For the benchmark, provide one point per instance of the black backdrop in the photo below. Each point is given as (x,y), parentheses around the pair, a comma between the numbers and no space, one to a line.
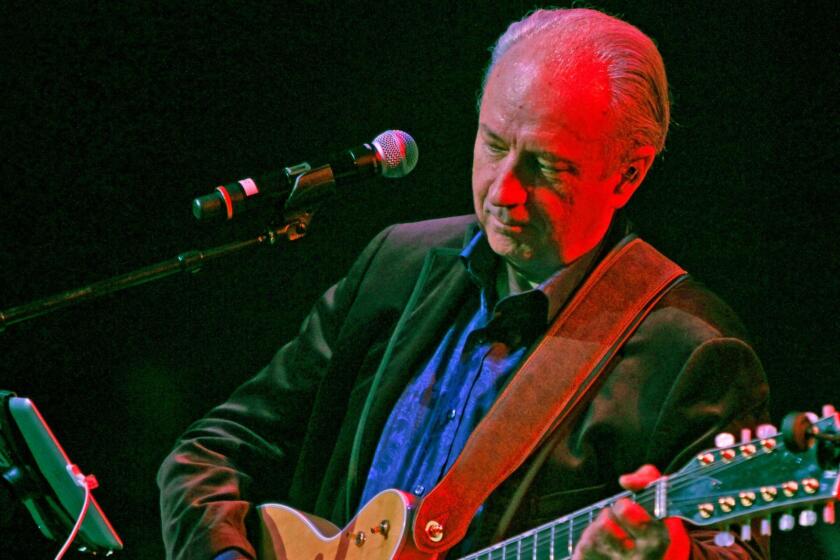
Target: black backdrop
(118,115)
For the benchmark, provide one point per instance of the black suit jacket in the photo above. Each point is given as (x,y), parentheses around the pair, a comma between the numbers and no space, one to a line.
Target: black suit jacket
(292,432)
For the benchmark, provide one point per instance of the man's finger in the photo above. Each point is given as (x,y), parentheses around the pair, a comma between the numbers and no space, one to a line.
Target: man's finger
(604,538)
(650,537)
(643,476)
(632,517)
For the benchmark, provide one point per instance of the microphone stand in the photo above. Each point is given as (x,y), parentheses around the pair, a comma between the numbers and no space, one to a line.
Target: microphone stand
(294,228)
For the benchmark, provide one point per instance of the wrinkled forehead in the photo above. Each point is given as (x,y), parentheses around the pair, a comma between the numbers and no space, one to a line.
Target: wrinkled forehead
(565,85)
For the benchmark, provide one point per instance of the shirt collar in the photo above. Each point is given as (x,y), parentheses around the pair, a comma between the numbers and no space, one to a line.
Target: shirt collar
(483,264)
(480,261)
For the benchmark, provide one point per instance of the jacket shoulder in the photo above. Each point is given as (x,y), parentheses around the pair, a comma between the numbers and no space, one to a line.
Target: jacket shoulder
(698,313)
(391,264)
(449,232)
(402,248)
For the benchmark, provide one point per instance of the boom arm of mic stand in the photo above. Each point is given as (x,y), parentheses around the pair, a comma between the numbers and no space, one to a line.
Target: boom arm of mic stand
(294,228)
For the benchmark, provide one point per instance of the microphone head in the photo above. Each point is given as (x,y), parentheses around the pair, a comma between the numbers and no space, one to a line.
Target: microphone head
(397,152)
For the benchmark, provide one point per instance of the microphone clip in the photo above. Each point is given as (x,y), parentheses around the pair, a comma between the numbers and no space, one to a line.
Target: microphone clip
(310,186)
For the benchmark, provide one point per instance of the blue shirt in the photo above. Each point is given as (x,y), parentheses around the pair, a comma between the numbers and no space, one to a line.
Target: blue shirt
(455,387)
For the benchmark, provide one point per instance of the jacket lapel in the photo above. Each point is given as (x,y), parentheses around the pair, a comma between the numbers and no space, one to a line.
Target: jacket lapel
(440,288)
(438,291)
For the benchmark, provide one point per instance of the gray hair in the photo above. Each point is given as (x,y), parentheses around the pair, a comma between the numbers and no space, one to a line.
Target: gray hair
(634,66)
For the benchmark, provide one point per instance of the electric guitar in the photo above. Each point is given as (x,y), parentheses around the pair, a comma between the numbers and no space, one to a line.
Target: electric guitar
(728,486)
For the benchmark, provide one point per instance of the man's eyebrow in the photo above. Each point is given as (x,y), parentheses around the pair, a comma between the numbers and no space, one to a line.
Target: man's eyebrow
(554,158)
(548,156)
(486,129)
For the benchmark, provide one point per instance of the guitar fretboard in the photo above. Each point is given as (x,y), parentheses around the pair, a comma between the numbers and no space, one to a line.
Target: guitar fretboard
(555,540)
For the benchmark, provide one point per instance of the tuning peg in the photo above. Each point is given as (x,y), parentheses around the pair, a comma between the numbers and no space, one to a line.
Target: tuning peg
(764,431)
(724,439)
(796,431)
(828,513)
(746,531)
(807,517)
(766,527)
(724,538)
(746,435)
(828,410)
(787,522)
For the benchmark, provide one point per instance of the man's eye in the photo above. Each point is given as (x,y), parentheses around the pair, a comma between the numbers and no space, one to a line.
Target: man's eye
(551,171)
(496,149)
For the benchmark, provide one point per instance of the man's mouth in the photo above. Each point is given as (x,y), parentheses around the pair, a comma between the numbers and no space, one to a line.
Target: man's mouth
(507,226)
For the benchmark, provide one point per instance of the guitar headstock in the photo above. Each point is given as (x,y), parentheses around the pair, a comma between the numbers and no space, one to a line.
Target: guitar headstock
(792,472)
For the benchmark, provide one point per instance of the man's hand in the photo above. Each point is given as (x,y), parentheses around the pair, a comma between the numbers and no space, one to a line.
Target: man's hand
(626,530)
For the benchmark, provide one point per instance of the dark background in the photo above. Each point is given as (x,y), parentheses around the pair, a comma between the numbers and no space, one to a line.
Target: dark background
(116,116)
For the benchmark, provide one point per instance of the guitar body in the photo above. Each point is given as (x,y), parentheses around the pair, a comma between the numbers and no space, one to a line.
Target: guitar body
(380,531)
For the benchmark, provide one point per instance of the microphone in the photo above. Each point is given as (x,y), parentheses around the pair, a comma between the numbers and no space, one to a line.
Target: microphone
(392,154)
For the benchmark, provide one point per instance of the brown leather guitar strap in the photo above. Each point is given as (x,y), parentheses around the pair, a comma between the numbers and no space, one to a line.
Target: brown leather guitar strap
(601,316)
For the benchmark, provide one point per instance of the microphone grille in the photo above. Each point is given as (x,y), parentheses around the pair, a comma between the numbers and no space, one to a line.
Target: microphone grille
(397,152)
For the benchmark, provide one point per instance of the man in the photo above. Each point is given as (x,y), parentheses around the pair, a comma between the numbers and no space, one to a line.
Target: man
(398,362)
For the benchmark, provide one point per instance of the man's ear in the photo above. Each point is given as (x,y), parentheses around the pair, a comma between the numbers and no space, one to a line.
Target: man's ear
(632,173)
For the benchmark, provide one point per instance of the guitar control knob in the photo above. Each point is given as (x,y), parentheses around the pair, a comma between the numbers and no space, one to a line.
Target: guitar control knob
(360,538)
(807,518)
(382,529)
(786,522)
(724,439)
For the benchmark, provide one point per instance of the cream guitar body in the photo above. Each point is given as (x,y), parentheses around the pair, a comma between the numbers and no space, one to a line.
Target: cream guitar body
(380,531)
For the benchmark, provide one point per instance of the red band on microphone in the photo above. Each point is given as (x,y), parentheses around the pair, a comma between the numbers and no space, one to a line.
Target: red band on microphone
(228,201)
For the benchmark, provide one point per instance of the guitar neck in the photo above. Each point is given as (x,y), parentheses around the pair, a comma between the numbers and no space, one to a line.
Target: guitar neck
(720,487)
(555,540)
(727,485)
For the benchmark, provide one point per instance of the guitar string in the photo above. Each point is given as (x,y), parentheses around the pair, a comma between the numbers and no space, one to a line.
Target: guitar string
(541,538)
(580,520)
(542,543)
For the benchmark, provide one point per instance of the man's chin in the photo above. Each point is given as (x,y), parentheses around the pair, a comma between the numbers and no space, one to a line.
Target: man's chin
(517,252)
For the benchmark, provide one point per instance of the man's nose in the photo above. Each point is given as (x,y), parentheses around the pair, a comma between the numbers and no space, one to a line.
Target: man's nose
(507,189)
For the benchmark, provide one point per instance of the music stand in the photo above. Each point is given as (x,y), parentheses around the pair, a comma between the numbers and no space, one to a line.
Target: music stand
(38,473)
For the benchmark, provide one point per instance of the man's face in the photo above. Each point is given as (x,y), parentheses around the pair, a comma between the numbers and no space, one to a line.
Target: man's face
(543,189)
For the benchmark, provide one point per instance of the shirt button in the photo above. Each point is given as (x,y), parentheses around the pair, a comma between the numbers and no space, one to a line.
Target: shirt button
(451,414)
(419,489)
